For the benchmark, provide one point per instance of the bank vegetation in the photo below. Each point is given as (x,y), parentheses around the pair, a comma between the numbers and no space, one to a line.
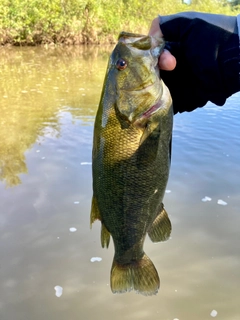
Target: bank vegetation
(72,22)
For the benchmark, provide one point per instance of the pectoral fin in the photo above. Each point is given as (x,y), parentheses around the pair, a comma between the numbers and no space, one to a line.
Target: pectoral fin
(146,134)
(161,227)
(95,213)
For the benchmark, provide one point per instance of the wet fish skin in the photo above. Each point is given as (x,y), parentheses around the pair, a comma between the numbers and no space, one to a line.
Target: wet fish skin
(131,160)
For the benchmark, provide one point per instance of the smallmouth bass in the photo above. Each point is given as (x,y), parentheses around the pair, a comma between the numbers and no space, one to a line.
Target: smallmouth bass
(131,160)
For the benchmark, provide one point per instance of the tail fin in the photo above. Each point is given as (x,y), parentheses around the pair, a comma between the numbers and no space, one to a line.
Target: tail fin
(140,276)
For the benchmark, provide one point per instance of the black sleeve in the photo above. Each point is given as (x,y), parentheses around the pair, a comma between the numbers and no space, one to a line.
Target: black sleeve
(206,47)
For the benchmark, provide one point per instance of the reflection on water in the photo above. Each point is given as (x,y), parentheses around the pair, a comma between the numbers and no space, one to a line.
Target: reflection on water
(35,85)
(52,265)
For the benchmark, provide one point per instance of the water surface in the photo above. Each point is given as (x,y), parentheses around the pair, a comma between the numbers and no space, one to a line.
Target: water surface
(49,98)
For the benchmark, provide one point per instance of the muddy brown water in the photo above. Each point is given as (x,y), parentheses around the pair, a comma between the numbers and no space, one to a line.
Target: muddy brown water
(52,265)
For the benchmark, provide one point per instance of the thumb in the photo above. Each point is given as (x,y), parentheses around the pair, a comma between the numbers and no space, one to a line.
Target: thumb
(167,61)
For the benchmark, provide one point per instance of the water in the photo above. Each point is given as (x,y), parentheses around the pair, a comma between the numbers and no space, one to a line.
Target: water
(52,265)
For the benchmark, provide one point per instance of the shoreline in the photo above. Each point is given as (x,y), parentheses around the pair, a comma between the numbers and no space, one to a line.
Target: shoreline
(88,22)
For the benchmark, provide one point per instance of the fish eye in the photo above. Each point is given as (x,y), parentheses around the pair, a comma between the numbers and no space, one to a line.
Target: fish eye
(121,64)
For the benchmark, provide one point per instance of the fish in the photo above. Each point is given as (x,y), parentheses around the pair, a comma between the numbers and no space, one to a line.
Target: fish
(131,157)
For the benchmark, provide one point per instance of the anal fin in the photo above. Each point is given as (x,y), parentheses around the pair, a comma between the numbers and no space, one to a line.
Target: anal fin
(161,227)
(105,236)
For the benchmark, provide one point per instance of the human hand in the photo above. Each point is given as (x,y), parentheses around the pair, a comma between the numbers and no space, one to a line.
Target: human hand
(206,48)
(166,60)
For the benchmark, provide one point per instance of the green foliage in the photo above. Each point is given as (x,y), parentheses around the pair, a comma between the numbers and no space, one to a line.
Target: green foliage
(88,21)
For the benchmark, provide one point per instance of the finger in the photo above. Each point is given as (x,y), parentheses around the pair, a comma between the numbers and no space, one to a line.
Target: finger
(155,30)
(167,61)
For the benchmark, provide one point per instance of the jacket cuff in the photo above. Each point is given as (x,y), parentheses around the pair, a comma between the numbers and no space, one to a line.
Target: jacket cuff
(238,24)
(180,21)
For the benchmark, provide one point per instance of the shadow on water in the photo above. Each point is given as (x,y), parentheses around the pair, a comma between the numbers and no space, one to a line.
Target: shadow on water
(36,84)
